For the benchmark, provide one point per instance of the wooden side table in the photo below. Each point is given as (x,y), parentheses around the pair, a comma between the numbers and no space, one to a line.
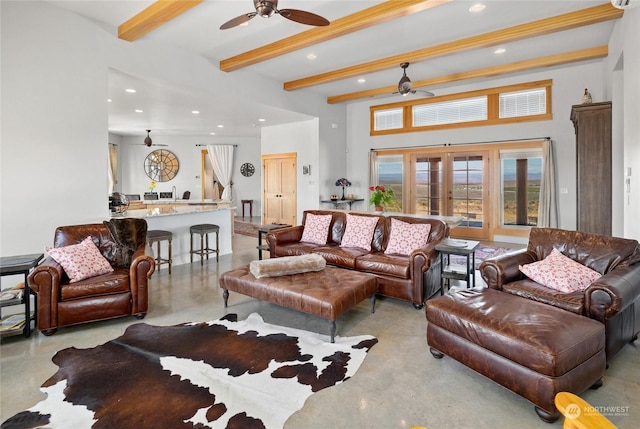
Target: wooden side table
(250,202)
(450,271)
(23,264)
(263,229)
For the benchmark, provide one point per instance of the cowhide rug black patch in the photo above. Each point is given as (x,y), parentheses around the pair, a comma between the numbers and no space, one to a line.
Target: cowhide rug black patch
(220,374)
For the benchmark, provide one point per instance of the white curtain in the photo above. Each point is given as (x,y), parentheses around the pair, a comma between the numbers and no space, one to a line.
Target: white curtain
(113,167)
(373,168)
(548,210)
(221,157)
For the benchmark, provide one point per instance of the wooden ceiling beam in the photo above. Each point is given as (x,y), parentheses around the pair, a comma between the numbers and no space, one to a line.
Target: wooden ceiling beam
(374,15)
(567,21)
(159,13)
(548,61)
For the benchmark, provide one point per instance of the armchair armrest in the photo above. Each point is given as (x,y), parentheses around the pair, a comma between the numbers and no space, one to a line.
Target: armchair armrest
(45,281)
(613,292)
(504,269)
(142,267)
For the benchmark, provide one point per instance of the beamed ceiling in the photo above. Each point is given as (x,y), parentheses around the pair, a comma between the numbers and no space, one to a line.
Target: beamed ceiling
(445,44)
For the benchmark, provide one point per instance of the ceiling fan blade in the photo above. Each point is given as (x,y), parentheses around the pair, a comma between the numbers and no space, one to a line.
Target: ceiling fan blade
(303,17)
(423,93)
(242,19)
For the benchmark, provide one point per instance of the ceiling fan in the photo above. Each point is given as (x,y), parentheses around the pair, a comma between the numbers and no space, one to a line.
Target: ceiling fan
(266,9)
(148,142)
(406,87)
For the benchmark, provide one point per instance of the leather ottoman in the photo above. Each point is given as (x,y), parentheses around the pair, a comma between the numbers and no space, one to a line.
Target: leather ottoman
(328,293)
(533,349)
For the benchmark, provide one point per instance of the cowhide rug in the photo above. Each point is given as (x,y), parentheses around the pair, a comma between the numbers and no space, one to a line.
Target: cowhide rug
(219,374)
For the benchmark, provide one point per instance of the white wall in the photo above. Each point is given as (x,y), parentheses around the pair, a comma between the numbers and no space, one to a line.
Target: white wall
(303,139)
(54,124)
(567,90)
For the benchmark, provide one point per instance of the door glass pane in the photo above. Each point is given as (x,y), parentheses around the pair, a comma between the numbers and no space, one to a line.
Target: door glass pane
(467,190)
(390,175)
(520,178)
(429,186)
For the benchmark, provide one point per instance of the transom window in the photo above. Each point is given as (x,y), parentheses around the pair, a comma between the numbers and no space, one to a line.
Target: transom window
(514,103)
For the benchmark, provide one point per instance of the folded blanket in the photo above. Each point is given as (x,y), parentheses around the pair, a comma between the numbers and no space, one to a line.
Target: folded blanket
(287,265)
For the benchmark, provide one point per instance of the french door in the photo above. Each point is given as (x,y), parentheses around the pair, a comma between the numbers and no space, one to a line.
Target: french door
(453,184)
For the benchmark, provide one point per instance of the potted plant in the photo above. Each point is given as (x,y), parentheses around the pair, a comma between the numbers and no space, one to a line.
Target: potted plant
(380,196)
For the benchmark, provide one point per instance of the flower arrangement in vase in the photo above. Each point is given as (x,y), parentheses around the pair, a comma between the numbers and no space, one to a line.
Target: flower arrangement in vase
(380,196)
(343,182)
(152,186)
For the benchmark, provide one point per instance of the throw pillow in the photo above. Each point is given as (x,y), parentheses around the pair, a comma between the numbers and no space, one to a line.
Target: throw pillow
(316,228)
(359,231)
(406,237)
(561,273)
(80,261)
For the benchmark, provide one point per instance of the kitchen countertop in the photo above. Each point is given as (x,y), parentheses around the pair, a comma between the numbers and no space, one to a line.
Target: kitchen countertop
(172,210)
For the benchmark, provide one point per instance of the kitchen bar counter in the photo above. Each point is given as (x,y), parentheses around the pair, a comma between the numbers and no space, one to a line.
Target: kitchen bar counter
(178,219)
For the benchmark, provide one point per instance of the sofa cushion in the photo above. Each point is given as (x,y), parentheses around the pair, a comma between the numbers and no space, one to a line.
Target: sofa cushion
(287,265)
(344,257)
(405,237)
(113,283)
(384,264)
(316,229)
(80,261)
(359,231)
(561,273)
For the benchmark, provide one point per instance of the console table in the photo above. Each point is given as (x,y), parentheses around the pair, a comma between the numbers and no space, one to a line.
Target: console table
(337,203)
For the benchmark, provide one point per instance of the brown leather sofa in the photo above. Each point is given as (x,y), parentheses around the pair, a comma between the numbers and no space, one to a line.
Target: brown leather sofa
(122,292)
(613,299)
(413,278)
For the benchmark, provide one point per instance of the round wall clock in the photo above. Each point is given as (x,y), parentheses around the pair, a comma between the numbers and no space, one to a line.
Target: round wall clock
(161,165)
(247,169)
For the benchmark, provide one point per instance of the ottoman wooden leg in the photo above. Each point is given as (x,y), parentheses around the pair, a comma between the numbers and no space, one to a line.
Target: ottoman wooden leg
(435,353)
(332,330)
(225,296)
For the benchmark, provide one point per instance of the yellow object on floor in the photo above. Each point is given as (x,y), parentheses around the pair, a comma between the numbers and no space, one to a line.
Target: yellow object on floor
(578,414)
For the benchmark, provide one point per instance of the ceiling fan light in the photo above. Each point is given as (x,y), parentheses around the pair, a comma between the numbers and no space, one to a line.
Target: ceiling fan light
(265,8)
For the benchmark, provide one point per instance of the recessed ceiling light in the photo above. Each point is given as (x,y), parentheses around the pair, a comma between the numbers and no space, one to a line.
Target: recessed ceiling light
(311,56)
(362,80)
(220,126)
(261,119)
(500,51)
(478,7)
(195,112)
(139,111)
(213,134)
(108,100)
(130,91)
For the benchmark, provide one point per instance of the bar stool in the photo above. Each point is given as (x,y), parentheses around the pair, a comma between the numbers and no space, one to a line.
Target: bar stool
(250,202)
(156,236)
(204,229)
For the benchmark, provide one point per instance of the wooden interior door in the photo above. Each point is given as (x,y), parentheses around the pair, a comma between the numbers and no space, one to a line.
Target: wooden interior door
(280,189)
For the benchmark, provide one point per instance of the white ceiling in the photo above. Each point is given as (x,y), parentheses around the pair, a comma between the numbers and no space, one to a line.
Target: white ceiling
(197,30)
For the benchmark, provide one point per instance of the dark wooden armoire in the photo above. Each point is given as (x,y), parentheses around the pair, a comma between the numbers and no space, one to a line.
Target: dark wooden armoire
(592,123)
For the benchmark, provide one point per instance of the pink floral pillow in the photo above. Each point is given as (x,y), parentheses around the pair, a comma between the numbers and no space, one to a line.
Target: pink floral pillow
(407,237)
(80,261)
(316,228)
(561,273)
(359,231)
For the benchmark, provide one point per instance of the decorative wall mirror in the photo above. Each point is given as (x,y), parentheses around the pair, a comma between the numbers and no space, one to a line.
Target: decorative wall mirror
(161,165)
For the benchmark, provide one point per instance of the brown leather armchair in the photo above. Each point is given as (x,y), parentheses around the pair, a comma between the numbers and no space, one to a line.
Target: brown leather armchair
(122,292)
(613,299)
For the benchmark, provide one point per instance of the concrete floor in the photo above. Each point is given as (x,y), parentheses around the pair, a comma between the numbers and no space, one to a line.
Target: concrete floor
(399,385)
